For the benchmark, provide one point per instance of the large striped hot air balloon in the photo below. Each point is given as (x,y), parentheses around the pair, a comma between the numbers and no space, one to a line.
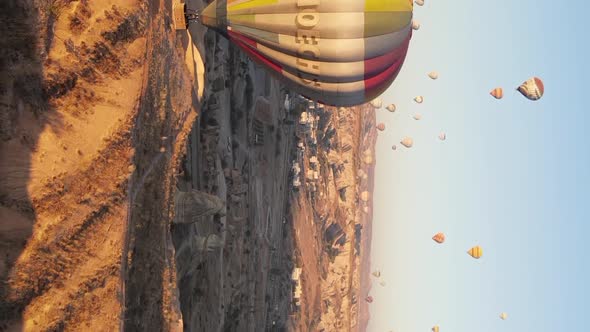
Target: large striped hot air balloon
(341,53)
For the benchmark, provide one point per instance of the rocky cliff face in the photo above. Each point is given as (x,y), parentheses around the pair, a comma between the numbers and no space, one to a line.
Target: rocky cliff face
(238,151)
(332,216)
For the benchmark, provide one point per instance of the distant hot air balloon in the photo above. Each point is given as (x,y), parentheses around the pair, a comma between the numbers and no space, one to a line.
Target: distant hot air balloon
(442,136)
(503,316)
(369,299)
(497,93)
(475,252)
(439,237)
(417,116)
(340,53)
(377,103)
(365,196)
(381,126)
(376,273)
(419,99)
(391,108)
(532,88)
(419,2)
(415,25)
(435,328)
(393,147)
(433,75)
(407,142)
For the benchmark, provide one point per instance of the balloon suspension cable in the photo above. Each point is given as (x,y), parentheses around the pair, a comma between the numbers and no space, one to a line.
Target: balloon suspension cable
(192,16)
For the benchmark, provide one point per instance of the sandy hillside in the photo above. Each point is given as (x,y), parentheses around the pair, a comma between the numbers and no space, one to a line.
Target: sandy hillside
(97,101)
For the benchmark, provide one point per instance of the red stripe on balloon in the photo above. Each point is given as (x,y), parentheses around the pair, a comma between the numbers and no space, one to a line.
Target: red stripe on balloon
(376,65)
(375,85)
(257,56)
(248,41)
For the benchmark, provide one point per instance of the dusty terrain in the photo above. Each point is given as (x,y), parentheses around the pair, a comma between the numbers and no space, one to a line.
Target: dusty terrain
(99,127)
(89,90)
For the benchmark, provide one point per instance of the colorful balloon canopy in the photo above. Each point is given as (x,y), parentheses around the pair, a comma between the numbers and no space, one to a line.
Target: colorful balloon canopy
(439,237)
(377,103)
(497,93)
(340,53)
(408,142)
(532,89)
(475,252)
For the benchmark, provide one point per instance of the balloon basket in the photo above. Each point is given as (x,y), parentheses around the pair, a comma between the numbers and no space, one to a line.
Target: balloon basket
(179,15)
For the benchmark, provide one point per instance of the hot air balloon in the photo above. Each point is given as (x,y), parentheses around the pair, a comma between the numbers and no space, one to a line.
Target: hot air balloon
(497,93)
(415,25)
(419,2)
(391,108)
(442,136)
(340,53)
(365,196)
(475,252)
(433,75)
(435,328)
(376,274)
(532,88)
(503,316)
(377,103)
(407,142)
(439,237)
(419,99)
(393,147)
(417,116)
(369,299)
(381,126)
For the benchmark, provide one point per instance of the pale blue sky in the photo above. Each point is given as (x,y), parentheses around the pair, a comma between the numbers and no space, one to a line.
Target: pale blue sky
(513,175)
